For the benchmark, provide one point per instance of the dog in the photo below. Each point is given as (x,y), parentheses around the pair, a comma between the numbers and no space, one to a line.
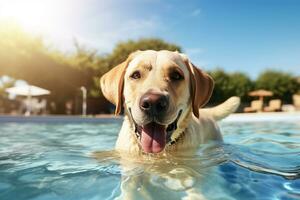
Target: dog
(162,94)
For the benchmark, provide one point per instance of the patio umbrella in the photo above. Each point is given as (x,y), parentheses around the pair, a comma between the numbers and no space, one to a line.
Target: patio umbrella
(261,94)
(29,91)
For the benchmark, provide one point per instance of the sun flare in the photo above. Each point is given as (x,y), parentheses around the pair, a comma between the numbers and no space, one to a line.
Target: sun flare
(33,15)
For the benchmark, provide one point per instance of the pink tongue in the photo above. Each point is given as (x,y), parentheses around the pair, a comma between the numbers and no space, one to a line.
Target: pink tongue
(153,138)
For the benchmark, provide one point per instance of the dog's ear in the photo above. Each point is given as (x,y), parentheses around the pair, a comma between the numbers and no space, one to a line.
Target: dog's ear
(112,84)
(202,86)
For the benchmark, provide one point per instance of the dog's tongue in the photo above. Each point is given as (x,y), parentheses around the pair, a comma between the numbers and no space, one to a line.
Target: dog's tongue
(153,138)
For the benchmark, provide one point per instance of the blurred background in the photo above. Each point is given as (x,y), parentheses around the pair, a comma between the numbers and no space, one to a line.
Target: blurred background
(53,52)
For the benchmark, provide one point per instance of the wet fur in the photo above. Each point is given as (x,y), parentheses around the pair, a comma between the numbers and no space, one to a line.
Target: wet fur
(154,66)
(192,131)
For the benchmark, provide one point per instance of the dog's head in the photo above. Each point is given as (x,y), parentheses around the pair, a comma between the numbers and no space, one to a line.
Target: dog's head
(156,88)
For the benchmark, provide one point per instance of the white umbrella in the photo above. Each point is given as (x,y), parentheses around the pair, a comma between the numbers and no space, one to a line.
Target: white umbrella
(29,91)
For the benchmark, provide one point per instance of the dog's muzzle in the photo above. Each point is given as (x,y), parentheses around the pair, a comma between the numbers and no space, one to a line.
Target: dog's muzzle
(154,137)
(154,103)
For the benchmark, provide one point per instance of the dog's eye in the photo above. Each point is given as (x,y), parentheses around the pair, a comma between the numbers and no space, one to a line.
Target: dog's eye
(135,75)
(176,76)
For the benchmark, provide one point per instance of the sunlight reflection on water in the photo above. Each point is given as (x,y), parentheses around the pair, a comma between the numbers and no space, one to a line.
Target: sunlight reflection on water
(259,160)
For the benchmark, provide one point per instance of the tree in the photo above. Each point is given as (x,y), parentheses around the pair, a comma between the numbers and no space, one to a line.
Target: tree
(123,49)
(24,56)
(241,84)
(227,85)
(282,84)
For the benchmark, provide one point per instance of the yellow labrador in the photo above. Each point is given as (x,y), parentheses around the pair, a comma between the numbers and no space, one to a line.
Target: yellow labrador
(162,93)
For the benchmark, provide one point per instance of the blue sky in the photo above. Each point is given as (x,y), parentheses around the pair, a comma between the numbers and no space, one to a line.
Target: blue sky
(247,36)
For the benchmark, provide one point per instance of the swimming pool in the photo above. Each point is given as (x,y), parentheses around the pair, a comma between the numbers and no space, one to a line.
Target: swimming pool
(45,160)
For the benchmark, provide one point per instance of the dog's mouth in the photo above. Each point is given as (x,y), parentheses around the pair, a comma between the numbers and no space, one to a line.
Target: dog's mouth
(153,136)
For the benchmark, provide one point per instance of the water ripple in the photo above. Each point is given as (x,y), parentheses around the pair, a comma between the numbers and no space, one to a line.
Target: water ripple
(44,161)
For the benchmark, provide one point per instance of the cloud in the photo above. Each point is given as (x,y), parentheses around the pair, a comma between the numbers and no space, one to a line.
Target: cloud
(106,37)
(101,24)
(102,30)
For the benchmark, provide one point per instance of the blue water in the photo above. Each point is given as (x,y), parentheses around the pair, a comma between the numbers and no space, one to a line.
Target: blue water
(43,161)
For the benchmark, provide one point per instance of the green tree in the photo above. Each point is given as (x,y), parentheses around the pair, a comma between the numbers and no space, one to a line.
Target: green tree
(123,49)
(241,85)
(282,84)
(230,84)
(90,64)
(24,56)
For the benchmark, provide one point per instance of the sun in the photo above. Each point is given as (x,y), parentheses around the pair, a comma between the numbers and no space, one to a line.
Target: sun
(33,15)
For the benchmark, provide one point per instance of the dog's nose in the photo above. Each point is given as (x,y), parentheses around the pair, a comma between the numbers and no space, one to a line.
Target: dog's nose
(154,103)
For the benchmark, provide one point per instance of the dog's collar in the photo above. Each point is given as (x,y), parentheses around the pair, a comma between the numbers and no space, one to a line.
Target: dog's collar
(170,129)
(136,127)
(174,141)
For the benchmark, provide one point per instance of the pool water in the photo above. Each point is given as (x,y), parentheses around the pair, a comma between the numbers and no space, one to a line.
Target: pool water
(43,161)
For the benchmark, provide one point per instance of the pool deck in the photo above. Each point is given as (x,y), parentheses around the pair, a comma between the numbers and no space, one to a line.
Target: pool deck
(250,117)
(271,116)
(58,119)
